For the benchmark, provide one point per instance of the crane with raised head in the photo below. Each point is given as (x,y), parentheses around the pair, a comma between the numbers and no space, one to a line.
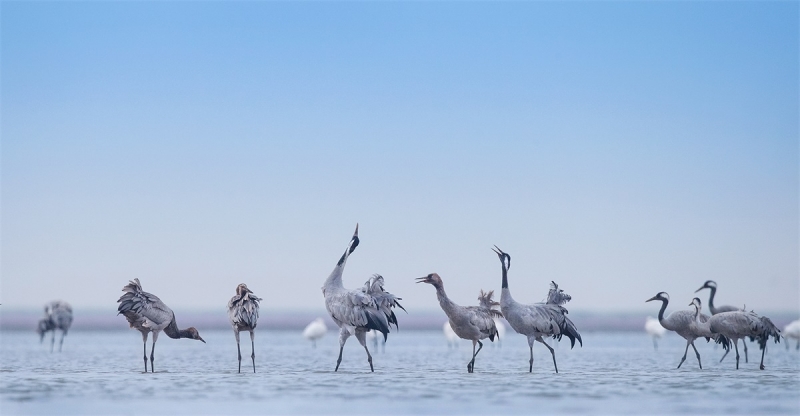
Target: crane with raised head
(538,320)
(359,310)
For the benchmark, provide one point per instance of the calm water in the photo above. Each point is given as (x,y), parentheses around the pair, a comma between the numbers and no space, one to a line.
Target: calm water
(617,373)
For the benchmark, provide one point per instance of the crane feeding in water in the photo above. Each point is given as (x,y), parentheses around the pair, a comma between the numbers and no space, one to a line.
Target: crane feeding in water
(57,315)
(546,319)
(740,324)
(359,310)
(472,323)
(243,314)
(146,313)
(712,285)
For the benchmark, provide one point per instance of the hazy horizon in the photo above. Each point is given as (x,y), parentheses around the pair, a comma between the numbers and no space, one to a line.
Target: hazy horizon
(618,148)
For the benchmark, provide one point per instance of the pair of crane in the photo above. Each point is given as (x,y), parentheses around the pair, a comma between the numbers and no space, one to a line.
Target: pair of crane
(727,325)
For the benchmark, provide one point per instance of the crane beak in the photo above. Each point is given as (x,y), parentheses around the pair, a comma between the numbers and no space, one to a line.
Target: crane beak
(423,280)
(653,298)
(201,339)
(701,288)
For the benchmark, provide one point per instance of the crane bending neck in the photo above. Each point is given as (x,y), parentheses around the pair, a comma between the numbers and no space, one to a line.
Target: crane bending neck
(664,304)
(711,299)
(173,332)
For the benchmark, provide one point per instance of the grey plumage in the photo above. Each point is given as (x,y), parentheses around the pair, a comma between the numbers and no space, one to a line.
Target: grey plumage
(535,321)
(712,285)
(690,325)
(146,313)
(359,310)
(243,315)
(473,323)
(57,315)
(740,324)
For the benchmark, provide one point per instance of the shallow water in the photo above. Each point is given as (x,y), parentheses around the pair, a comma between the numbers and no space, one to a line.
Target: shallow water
(614,373)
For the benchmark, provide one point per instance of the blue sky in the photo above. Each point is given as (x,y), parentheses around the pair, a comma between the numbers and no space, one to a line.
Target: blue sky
(619,148)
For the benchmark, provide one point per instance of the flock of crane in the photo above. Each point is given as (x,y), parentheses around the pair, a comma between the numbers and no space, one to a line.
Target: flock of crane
(370,309)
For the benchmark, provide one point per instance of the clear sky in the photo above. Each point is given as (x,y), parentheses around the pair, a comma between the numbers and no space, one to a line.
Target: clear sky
(620,149)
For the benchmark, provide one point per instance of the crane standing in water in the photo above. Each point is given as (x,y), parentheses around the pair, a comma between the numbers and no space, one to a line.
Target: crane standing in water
(540,319)
(146,313)
(359,310)
(712,285)
(243,314)
(57,315)
(741,324)
(473,323)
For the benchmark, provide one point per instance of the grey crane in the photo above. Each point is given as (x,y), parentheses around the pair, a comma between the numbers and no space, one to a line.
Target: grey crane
(57,315)
(548,319)
(243,314)
(710,284)
(359,310)
(740,324)
(682,323)
(146,313)
(473,323)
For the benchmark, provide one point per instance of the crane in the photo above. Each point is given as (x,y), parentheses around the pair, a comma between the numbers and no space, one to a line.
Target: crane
(546,319)
(359,310)
(57,315)
(712,285)
(315,330)
(740,324)
(243,314)
(472,323)
(146,313)
(654,329)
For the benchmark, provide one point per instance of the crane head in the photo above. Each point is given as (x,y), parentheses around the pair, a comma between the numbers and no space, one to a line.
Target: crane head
(709,284)
(504,257)
(193,334)
(696,303)
(662,296)
(431,279)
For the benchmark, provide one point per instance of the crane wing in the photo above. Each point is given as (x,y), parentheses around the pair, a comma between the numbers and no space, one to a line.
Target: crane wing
(142,308)
(243,310)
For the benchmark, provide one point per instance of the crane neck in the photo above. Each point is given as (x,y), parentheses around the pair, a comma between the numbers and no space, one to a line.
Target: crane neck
(505,277)
(172,330)
(444,301)
(711,299)
(664,304)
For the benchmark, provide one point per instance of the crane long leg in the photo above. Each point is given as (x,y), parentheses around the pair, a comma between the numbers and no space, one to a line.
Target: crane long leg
(530,344)
(253,349)
(61,343)
(655,344)
(153,353)
(472,361)
(53,341)
(736,347)
(552,352)
(238,348)
(763,350)
(144,345)
(343,335)
(723,355)
(362,339)
(698,355)
(744,343)
(684,354)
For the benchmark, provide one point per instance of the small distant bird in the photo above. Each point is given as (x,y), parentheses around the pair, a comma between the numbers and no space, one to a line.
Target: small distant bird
(146,313)
(712,285)
(359,310)
(449,335)
(547,319)
(243,314)
(315,330)
(792,331)
(473,323)
(740,324)
(57,315)
(681,322)
(654,329)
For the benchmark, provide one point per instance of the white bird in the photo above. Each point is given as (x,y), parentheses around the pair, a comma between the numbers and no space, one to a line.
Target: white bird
(473,323)
(792,331)
(681,322)
(654,329)
(243,314)
(501,331)
(547,319)
(712,285)
(146,313)
(740,324)
(315,330)
(359,310)
(57,315)
(449,335)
